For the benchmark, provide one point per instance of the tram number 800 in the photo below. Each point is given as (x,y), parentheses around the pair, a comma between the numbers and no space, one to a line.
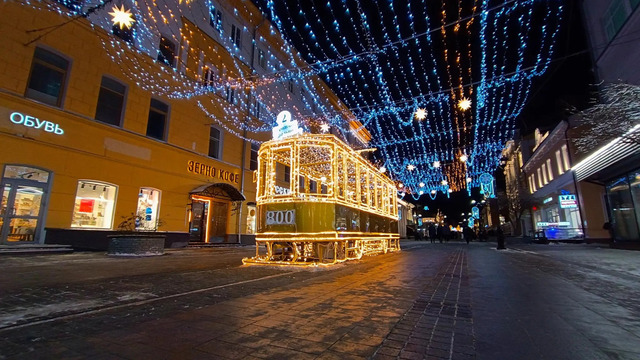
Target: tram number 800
(282,217)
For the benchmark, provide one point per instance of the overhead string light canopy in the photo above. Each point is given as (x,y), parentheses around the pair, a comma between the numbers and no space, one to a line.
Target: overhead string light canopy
(438,84)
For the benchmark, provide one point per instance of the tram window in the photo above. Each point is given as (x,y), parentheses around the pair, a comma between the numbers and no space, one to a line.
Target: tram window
(287,173)
(313,186)
(324,189)
(301,184)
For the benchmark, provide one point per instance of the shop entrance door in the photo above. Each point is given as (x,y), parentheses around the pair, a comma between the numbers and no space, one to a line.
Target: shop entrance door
(218,230)
(198,225)
(208,220)
(20,211)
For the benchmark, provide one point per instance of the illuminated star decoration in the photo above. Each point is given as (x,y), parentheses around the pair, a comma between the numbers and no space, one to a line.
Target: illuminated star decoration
(421,114)
(464,104)
(324,128)
(411,167)
(122,17)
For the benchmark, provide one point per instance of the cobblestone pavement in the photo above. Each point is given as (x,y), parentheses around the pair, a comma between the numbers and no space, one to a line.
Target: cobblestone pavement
(430,301)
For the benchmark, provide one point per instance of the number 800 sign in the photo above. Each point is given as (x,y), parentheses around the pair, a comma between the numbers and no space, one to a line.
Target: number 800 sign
(281,217)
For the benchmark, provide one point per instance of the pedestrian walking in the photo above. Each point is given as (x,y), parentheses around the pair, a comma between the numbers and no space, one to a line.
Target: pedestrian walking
(432,233)
(500,235)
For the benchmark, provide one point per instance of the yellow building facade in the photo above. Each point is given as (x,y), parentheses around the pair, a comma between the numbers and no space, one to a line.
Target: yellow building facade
(71,173)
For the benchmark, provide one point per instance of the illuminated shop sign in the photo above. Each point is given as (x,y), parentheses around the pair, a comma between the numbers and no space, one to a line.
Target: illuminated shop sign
(210,171)
(34,122)
(553,224)
(568,201)
(281,217)
(547,200)
(286,126)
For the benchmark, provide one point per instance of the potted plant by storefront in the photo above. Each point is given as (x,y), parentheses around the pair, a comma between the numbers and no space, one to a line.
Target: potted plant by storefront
(134,239)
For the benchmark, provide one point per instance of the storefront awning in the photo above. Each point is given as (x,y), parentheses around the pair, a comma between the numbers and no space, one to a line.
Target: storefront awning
(219,190)
(615,151)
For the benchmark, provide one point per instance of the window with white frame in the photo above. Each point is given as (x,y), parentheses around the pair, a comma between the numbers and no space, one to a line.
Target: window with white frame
(544,174)
(230,95)
(167,52)
(549,170)
(209,73)
(559,162)
(530,185)
(565,158)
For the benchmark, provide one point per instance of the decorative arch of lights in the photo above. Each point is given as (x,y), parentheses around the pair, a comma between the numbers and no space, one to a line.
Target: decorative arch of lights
(439,84)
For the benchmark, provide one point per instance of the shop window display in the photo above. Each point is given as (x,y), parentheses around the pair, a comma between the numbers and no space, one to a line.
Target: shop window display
(94,206)
(147,212)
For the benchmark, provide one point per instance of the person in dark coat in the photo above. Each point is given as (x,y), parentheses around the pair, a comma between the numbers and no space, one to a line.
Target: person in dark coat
(440,233)
(432,233)
(467,233)
(500,235)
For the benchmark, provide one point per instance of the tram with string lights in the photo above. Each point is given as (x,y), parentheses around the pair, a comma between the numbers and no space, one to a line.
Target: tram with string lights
(320,202)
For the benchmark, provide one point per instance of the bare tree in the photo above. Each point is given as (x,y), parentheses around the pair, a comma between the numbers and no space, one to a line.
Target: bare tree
(613,117)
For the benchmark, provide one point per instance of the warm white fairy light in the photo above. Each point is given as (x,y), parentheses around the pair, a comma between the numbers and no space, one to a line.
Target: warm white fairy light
(324,128)
(411,167)
(436,164)
(463,158)
(383,169)
(421,114)
(444,182)
(421,184)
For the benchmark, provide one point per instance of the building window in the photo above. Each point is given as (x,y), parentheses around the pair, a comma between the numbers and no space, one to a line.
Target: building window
(549,170)
(209,74)
(544,174)
(157,123)
(615,17)
(215,142)
(147,211)
(215,18)
(290,85)
(110,102)
(287,173)
(230,95)
(531,191)
(47,79)
(167,52)
(565,158)
(539,178)
(262,59)
(125,33)
(253,162)
(236,35)
(95,205)
(255,108)
(559,163)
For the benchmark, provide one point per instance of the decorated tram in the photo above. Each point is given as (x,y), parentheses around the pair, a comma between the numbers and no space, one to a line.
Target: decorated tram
(320,202)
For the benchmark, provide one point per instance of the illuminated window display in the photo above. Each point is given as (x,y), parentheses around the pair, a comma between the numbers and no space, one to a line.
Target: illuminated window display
(147,212)
(95,205)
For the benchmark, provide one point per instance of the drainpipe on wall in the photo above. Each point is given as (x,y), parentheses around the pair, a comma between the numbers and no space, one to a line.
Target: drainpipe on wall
(244,132)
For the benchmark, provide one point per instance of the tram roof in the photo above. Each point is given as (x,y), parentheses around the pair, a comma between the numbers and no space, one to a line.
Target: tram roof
(325,138)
